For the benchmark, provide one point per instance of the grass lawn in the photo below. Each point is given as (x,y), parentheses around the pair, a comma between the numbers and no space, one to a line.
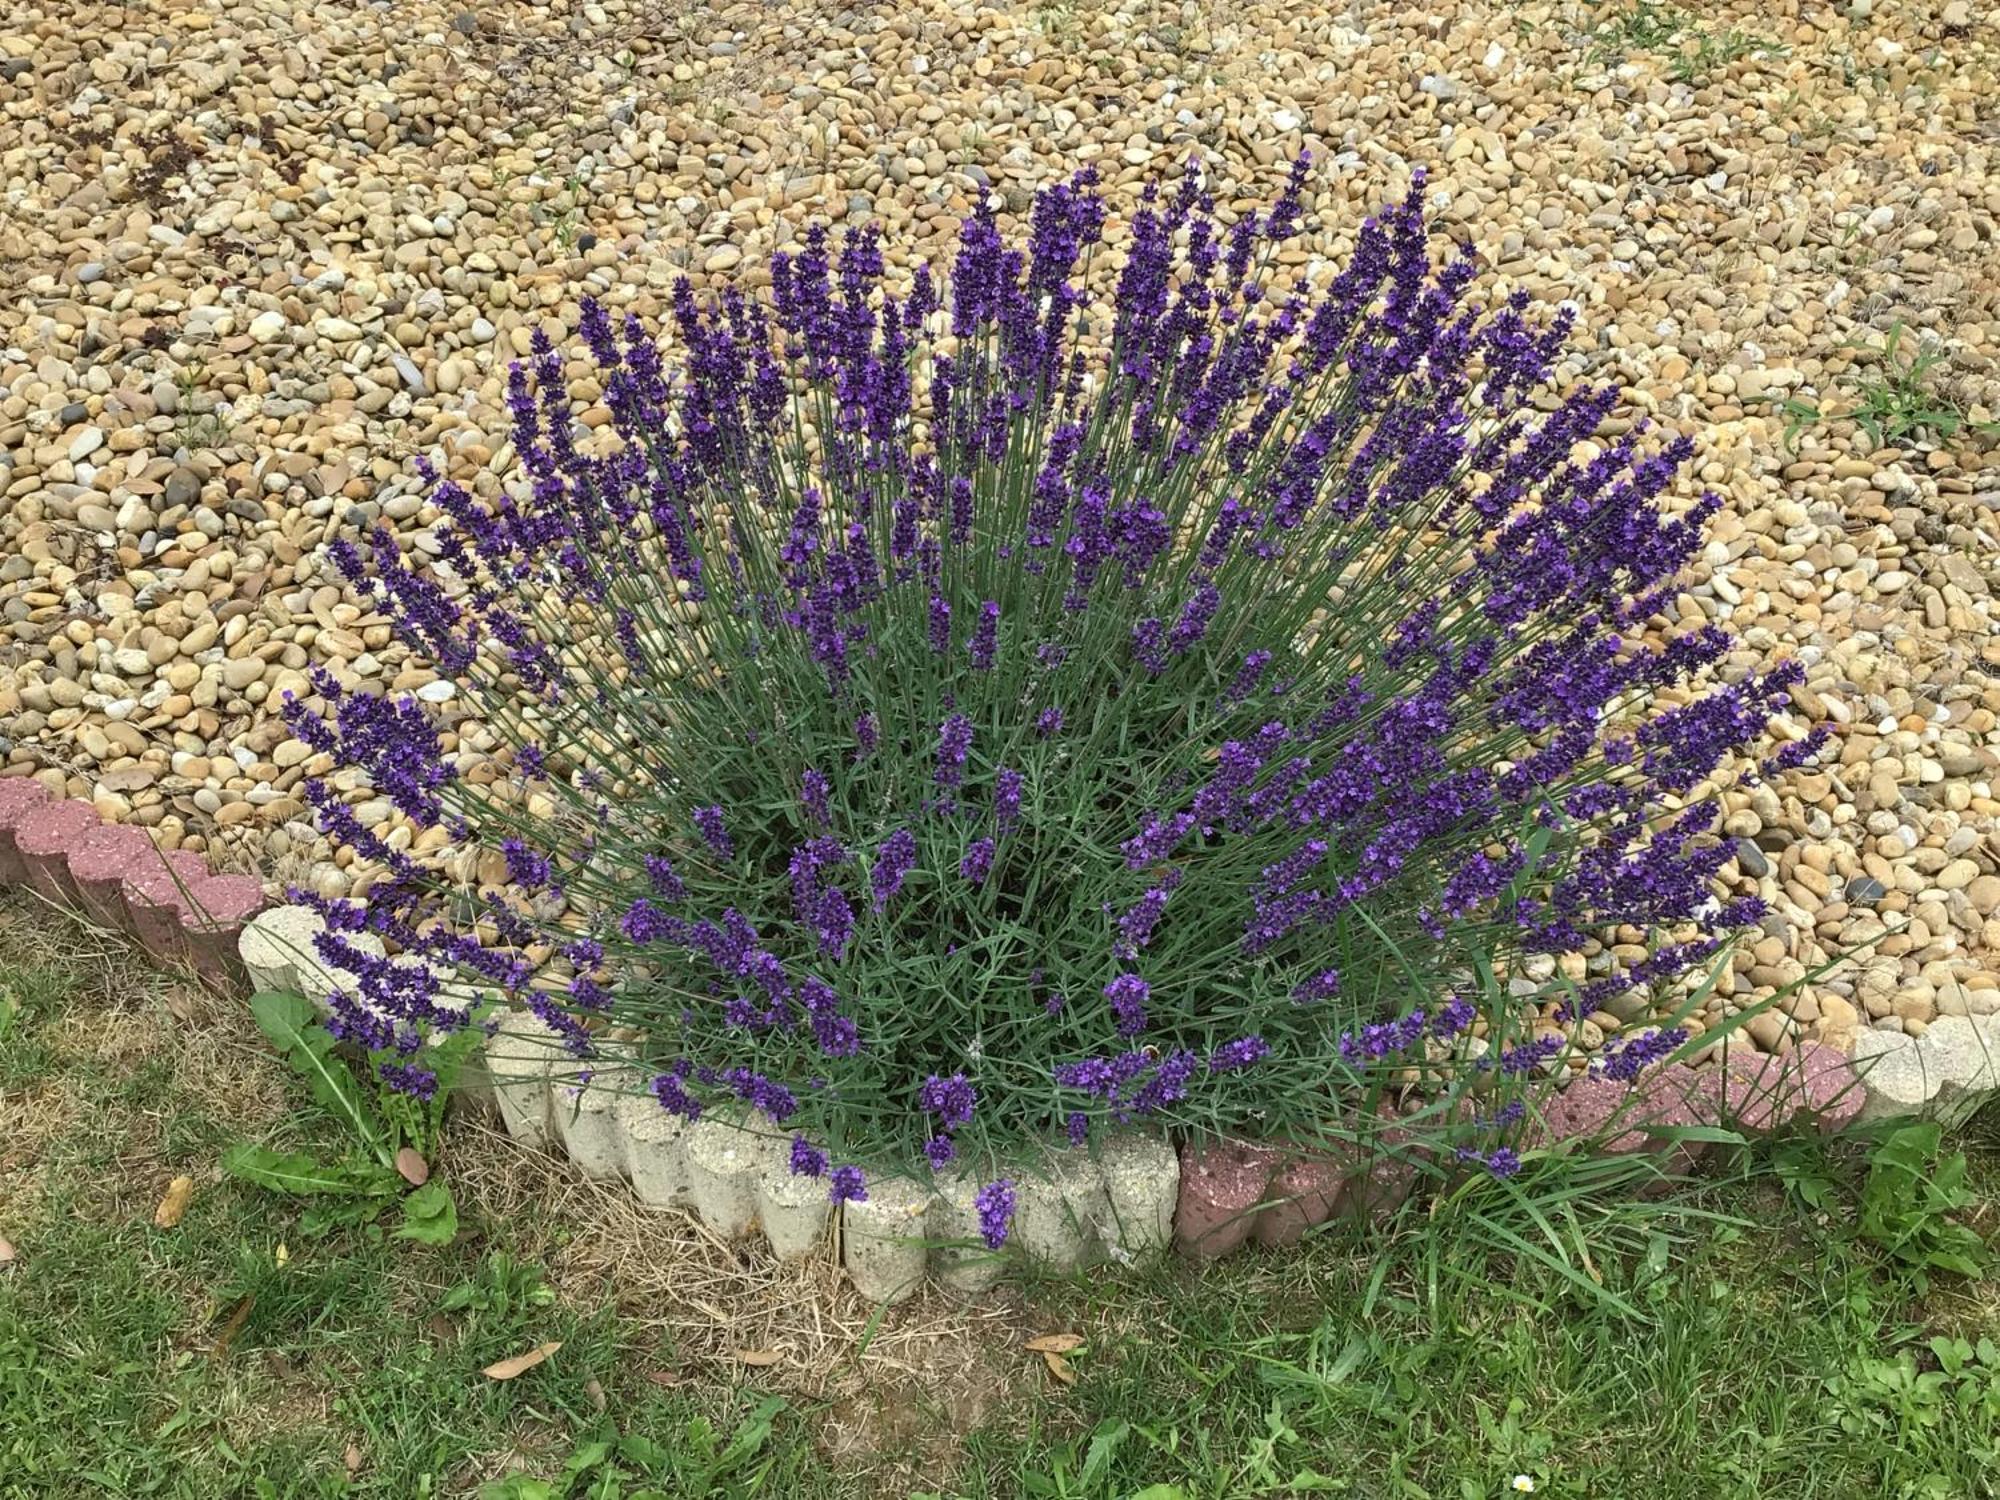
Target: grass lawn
(1749,1339)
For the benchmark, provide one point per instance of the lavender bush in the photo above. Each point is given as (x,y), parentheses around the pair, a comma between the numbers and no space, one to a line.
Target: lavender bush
(974,715)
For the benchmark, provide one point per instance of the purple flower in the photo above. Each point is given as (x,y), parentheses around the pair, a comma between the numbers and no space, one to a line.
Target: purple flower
(1625,1058)
(408,1078)
(1503,1161)
(1078,1127)
(1128,994)
(1526,1058)
(951,1099)
(665,882)
(806,1161)
(985,636)
(978,861)
(1240,1053)
(708,823)
(940,625)
(954,743)
(1007,785)
(995,1206)
(894,860)
(525,866)
(813,791)
(939,1150)
(847,1185)
(867,735)
(1321,986)
(1048,722)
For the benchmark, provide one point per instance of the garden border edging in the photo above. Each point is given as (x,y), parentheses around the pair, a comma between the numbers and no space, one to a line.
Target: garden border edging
(1137,1196)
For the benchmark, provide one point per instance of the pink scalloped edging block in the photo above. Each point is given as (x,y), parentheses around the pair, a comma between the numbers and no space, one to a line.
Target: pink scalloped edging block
(213,920)
(155,903)
(98,865)
(1221,1186)
(1305,1193)
(44,838)
(1751,1092)
(1391,1176)
(1830,1090)
(19,796)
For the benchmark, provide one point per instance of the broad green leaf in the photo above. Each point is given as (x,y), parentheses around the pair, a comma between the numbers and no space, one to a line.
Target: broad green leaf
(429,1216)
(297,1173)
(290,1022)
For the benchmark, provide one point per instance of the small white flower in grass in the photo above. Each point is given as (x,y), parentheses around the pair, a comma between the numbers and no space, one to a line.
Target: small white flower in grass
(1524,1484)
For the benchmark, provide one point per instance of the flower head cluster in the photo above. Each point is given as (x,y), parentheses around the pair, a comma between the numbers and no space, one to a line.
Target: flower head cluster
(912,649)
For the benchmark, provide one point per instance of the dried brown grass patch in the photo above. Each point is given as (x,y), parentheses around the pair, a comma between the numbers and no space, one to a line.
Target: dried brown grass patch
(899,1387)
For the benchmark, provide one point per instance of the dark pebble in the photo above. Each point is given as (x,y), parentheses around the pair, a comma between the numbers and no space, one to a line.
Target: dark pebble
(1750,860)
(1864,890)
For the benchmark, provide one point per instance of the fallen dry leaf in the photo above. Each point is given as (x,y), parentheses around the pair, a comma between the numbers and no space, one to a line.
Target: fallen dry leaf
(414,1169)
(666,1379)
(351,1460)
(6,1250)
(173,1207)
(233,1327)
(761,1358)
(1055,1343)
(1059,1367)
(594,1389)
(520,1364)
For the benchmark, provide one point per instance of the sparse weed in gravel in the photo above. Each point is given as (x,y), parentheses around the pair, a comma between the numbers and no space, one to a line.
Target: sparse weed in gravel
(1693,51)
(196,428)
(1897,400)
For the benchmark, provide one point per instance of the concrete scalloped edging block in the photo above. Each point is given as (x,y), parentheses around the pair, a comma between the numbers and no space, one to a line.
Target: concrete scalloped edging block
(1221,1187)
(98,866)
(587,1125)
(519,1056)
(1830,1092)
(794,1210)
(724,1163)
(1306,1192)
(1059,1206)
(884,1241)
(155,900)
(959,1259)
(1897,1077)
(1142,1185)
(274,945)
(1967,1052)
(1945,1074)
(655,1150)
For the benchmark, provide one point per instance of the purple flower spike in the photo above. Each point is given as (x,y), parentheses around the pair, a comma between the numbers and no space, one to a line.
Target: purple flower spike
(896,858)
(951,1099)
(806,1161)
(813,791)
(995,1205)
(978,861)
(1007,788)
(847,1185)
(1241,1053)
(954,744)
(1128,994)
(708,823)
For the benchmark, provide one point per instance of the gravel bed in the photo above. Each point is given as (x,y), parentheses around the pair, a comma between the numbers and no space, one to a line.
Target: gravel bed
(255,256)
